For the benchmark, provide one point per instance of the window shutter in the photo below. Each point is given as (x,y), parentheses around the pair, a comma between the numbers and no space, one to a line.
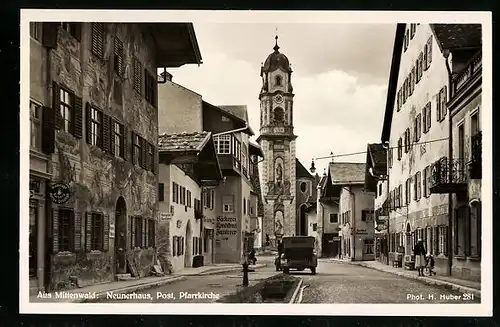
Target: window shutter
(77,116)
(429,50)
(105,242)
(436,240)
(425,57)
(55,230)
(49,35)
(112,136)
(78,31)
(48,132)
(88,130)
(88,231)
(144,221)
(98,39)
(155,160)
(56,104)
(126,149)
(429,115)
(438,106)
(420,65)
(118,50)
(132,147)
(132,234)
(444,99)
(144,153)
(424,117)
(106,132)
(78,232)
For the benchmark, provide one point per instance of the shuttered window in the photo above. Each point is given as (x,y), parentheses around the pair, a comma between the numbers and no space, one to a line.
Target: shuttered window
(117,145)
(65,227)
(97,232)
(118,57)
(74,29)
(98,39)
(151,233)
(138,72)
(137,149)
(138,232)
(150,87)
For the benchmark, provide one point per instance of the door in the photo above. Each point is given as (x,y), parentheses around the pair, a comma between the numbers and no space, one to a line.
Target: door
(121,236)
(189,239)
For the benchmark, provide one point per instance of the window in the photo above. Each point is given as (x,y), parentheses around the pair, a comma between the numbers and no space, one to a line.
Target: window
(334,218)
(398,108)
(303,187)
(244,206)
(150,88)
(441,99)
(98,39)
(279,115)
(428,183)
(379,189)
(400,195)
(227,203)
(278,80)
(138,76)
(315,227)
(413,28)
(35,126)
(174,246)
(97,232)
(212,198)
(418,127)
(462,231)
(407,140)
(175,192)
(118,57)
(420,64)
(443,240)
(66,230)
(137,148)
(428,50)
(244,162)
(161,192)
(35,30)
(118,139)
(67,101)
(223,144)
(367,215)
(405,41)
(400,148)
(390,154)
(418,184)
(188,199)
(474,124)
(461,142)
(96,127)
(413,79)
(408,190)
(151,233)
(368,246)
(74,29)
(138,232)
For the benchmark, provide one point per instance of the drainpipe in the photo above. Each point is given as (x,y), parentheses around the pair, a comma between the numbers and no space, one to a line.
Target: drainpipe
(446,54)
(232,131)
(48,204)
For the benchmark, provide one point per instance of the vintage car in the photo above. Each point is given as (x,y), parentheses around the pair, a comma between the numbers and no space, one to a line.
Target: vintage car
(298,253)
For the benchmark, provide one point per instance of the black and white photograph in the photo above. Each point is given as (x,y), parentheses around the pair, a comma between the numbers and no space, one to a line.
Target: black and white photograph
(194,161)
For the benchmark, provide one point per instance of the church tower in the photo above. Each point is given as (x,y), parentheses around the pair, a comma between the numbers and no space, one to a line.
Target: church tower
(277,142)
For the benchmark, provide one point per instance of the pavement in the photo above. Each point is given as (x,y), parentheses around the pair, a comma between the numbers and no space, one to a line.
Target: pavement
(342,282)
(460,285)
(94,292)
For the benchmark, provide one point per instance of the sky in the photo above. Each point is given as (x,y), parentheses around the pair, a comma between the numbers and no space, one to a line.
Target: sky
(340,76)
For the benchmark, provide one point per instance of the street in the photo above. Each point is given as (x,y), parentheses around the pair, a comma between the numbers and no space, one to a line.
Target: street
(334,282)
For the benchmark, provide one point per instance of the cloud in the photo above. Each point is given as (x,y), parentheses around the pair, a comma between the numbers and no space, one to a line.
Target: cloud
(333,111)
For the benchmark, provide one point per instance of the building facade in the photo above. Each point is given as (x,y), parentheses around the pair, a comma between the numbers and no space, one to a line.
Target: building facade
(229,204)
(278,144)
(93,171)
(416,130)
(328,217)
(187,164)
(459,173)
(355,207)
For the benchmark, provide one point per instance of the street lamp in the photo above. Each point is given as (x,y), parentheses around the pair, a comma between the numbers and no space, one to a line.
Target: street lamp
(313,168)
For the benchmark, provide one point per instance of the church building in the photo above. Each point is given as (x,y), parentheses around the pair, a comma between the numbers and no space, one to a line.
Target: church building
(277,141)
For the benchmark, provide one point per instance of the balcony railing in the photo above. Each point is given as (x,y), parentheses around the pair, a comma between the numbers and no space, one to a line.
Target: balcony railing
(475,164)
(448,176)
(467,73)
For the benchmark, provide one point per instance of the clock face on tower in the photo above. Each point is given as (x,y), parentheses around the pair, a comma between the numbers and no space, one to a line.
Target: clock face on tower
(278,98)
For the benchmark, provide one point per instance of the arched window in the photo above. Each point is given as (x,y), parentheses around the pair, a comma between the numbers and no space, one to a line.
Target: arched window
(279,115)
(303,187)
(278,80)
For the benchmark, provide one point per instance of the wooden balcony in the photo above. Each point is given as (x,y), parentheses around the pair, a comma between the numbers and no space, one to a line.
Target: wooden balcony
(448,176)
(475,164)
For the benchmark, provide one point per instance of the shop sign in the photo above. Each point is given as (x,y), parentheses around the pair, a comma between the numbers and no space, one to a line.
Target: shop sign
(59,193)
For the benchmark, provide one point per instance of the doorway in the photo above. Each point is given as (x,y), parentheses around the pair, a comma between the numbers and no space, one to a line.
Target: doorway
(409,240)
(121,236)
(189,239)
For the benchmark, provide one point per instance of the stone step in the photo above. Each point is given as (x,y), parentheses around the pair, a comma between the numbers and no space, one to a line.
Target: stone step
(119,277)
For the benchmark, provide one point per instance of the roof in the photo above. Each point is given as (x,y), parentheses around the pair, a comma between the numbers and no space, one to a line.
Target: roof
(378,155)
(346,173)
(183,142)
(276,60)
(457,36)
(255,149)
(300,170)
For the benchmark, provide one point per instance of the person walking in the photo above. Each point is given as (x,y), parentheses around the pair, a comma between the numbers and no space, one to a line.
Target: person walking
(420,252)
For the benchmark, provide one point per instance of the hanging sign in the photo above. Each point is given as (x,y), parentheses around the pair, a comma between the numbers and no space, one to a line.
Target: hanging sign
(59,193)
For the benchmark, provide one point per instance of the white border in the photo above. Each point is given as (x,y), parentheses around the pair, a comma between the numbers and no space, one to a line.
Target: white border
(255,17)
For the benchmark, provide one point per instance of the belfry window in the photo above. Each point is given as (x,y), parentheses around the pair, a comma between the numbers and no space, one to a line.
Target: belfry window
(279,115)
(278,80)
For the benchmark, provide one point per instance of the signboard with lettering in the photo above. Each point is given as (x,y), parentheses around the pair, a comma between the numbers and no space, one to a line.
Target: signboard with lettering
(165,216)
(226,231)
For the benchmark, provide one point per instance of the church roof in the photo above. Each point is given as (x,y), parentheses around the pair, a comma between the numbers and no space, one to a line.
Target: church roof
(276,60)
(300,170)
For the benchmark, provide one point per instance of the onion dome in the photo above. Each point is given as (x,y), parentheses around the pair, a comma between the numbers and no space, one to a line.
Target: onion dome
(276,60)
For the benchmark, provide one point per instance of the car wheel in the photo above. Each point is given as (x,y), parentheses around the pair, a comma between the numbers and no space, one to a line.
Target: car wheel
(313,271)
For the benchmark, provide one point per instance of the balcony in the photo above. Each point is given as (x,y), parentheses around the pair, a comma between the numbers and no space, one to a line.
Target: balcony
(472,68)
(448,176)
(475,164)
